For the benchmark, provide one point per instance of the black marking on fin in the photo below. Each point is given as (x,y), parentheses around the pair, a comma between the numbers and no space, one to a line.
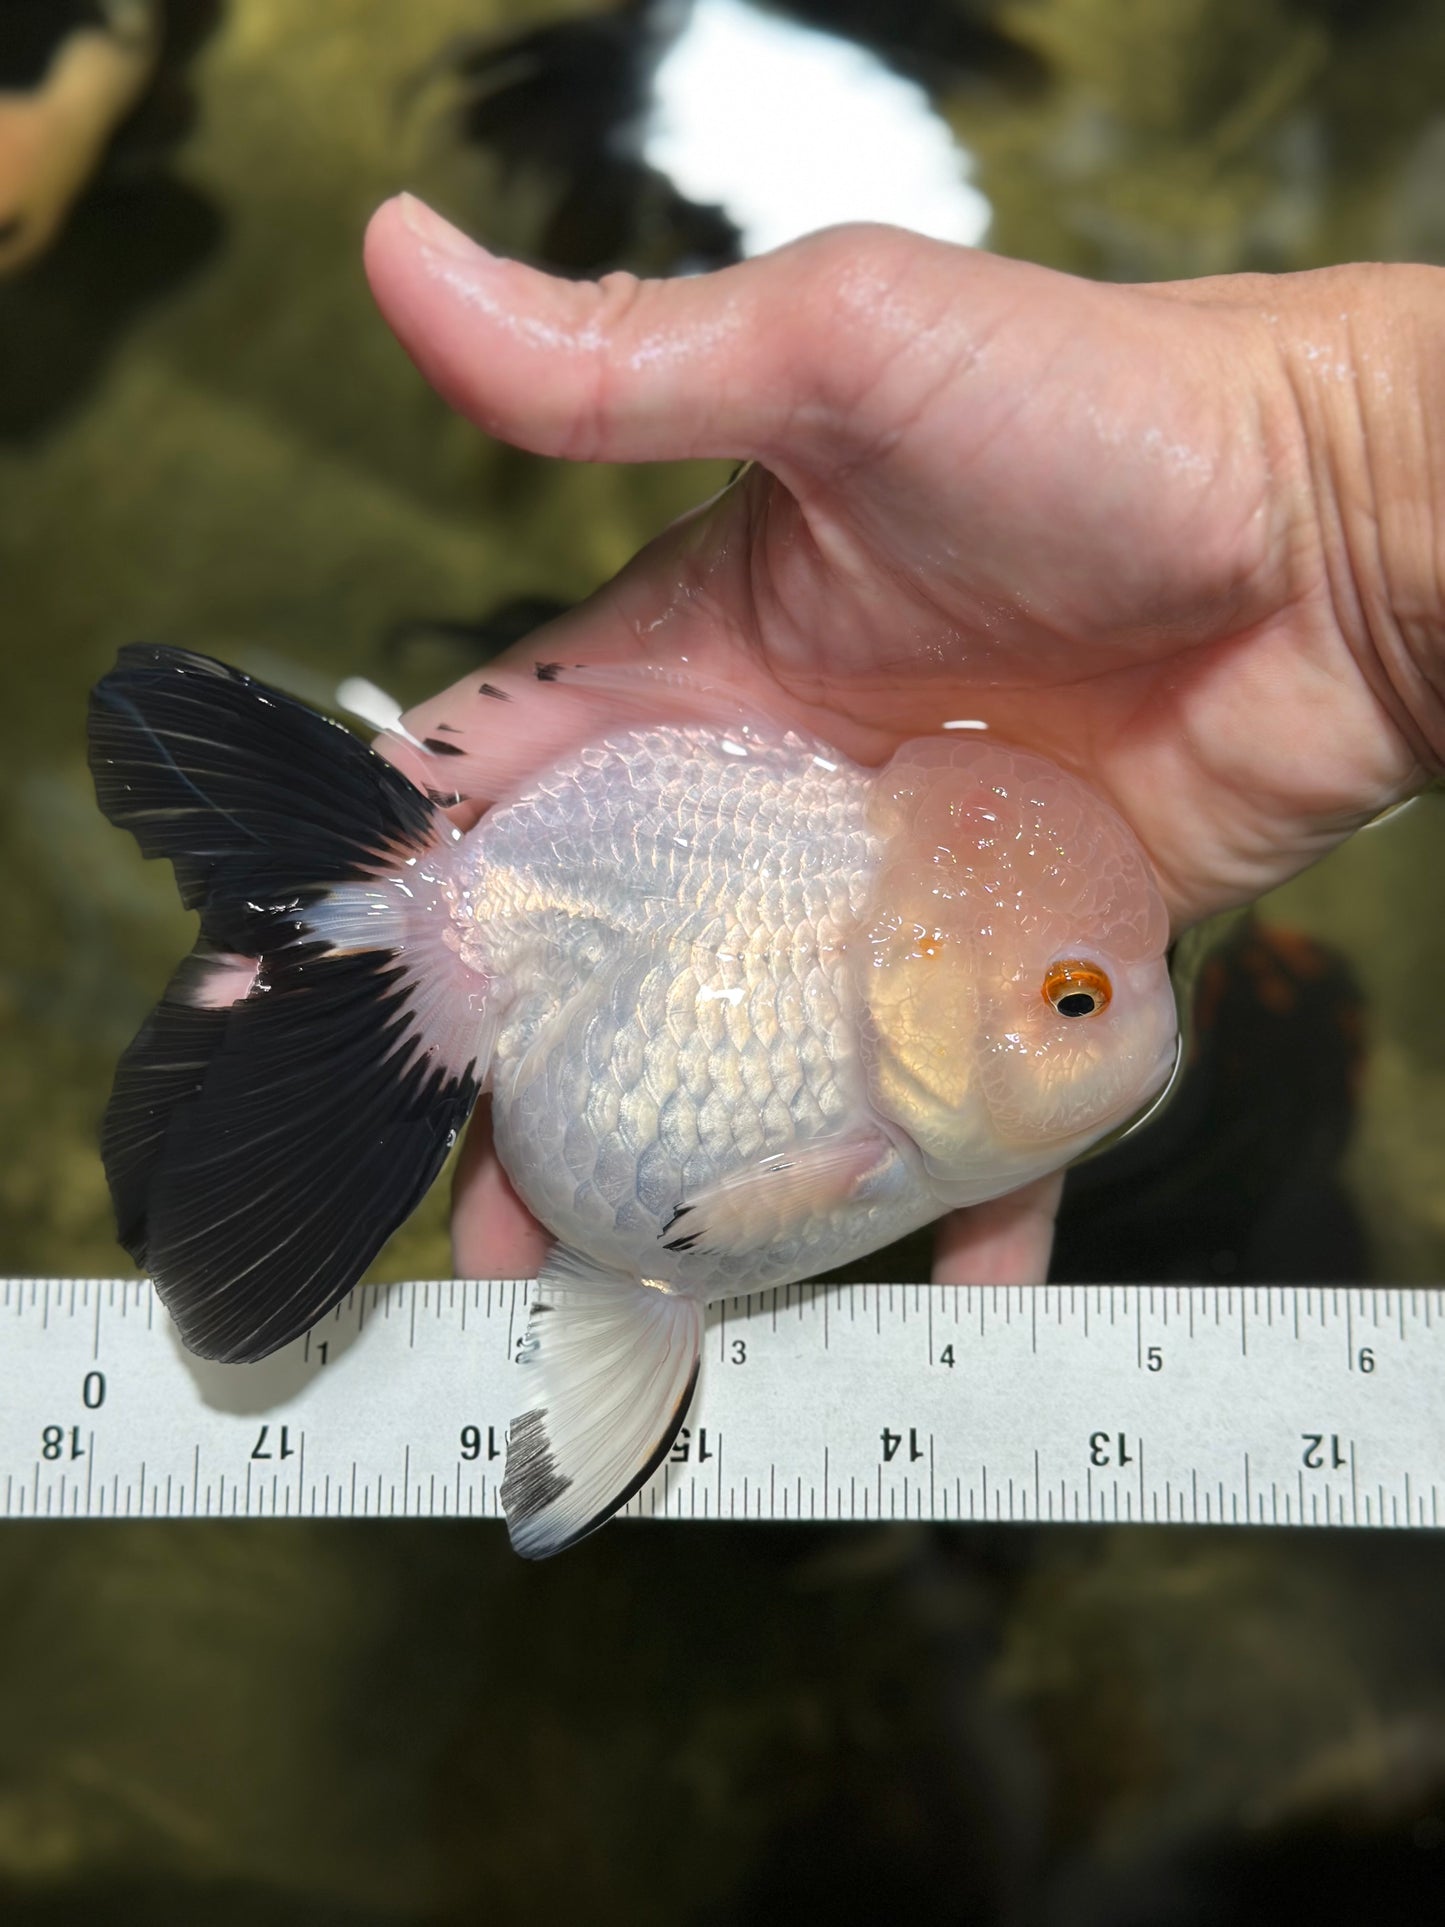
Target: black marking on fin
(257,800)
(547,671)
(532,1481)
(261,1153)
(680,1212)
(682,1244)
(448,729)
(444,799)
(491,689)
(536,1483)
(442,749)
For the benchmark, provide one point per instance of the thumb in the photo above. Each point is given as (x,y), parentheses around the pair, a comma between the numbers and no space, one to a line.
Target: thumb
(623,370)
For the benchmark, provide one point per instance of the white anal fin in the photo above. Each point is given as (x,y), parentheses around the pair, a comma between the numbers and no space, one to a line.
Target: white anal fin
(614,1361)
(782,1191)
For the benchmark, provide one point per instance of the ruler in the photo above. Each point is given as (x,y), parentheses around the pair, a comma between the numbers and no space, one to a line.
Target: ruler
(1167,1404)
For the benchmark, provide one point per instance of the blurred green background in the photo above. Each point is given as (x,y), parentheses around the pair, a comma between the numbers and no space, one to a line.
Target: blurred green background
(207,437)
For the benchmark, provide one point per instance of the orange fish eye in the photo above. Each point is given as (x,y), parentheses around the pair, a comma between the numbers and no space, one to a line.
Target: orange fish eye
(1076,988)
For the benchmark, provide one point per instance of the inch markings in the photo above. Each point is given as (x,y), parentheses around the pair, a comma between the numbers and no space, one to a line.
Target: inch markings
(1158,1404)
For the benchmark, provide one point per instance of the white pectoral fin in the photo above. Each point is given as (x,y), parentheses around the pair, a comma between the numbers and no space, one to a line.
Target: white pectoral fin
(778,1193)
(613,1361)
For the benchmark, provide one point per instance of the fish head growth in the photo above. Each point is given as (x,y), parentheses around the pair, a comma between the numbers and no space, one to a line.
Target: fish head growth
(1012,965)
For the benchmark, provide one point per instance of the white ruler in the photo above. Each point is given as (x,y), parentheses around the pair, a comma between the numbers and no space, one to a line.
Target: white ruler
(1268,1406)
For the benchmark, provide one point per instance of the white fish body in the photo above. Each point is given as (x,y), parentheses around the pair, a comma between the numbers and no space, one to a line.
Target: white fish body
(746,1010)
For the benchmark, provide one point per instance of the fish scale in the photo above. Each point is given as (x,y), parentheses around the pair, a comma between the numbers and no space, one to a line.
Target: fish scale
(693,1030)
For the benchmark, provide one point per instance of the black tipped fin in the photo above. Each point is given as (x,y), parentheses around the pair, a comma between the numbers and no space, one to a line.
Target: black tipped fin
(616,1362)
(754,1205)
(300,1083)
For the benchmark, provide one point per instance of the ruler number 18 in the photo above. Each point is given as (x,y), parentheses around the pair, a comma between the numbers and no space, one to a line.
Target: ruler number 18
(63,1442)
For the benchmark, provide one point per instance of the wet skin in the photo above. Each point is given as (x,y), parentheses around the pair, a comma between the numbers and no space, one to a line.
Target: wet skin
(1176,537)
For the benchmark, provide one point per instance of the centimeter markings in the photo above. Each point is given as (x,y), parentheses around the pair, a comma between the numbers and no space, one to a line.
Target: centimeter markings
(1179,1404)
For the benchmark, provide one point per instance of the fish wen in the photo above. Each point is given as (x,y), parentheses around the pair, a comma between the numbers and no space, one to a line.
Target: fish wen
(746,1010)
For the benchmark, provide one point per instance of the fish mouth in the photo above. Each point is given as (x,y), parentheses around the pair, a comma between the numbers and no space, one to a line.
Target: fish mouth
(1131,1120)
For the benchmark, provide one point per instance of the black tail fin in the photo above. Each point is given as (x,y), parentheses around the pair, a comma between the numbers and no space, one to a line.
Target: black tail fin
(297,1088)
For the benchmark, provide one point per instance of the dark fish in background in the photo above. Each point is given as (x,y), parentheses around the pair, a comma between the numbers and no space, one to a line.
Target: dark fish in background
(1238,1179)
(944,46)
(568,100)
(572,101)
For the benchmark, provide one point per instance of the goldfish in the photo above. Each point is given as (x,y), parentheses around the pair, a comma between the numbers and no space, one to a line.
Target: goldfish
(69,76)
(745,1010)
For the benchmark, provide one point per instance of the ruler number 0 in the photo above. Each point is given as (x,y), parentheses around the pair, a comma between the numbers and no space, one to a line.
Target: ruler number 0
(63,1442)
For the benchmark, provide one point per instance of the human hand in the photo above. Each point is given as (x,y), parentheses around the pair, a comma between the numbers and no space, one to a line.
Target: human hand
(1176,537)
